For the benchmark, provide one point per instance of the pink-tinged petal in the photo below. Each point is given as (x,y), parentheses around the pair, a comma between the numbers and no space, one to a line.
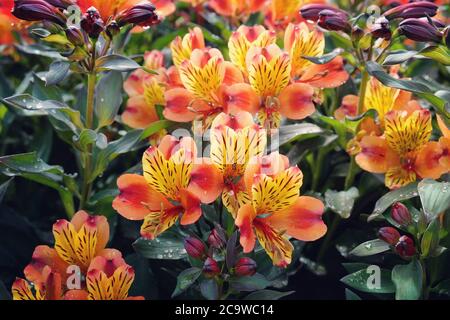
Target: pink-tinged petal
(302,220)
(222,7)
(134,85)
(349,107)
(244,221)
(375,155)
(238,121)
(191,205)
(240,97)
(328,75)
(232,74)
(206,181)
(136,199)
(164,8)
(178,103)
(138,113)
(296,101)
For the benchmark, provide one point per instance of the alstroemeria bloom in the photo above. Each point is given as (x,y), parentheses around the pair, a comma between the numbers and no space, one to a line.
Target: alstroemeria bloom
(174,184)
(243,38)
(276,211)
(182,47)
(404,152)
(236,8)
(234,141)
(48,288)
(280,13)
(211,85)
(269,70)
(147,90)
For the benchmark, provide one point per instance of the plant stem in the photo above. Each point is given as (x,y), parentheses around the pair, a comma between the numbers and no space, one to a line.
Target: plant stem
(87,157)
(318,168)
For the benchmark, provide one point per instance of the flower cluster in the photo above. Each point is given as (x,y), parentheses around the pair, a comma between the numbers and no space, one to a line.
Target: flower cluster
(260,78)
(260,192)
(79,267)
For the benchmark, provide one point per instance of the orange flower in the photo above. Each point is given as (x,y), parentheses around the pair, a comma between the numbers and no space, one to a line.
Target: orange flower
(276,211)
(79,243)
(404,152)
(279,13)
(146,91)
(236,8)
(182,47)
(349,107)
(269,71)
(175,183)
(234,141)
(211,85)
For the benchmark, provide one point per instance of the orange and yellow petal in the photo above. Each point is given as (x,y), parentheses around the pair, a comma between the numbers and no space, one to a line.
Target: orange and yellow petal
(406,133)
(270,195)
(244,221)
(21,290)
(443,127)
(296,101)
(427,164)
(157,222)
(191,204)
(178,105)
(136,199)
(274,242)
(328,75)
(182,47)
(206,181)
(399,176)
(375,155)
(302,220)
(138,114)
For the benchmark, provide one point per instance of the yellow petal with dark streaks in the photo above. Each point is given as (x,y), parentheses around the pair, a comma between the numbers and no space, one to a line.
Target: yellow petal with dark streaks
(121,281)
(277,246)
(66,241)
(99,286)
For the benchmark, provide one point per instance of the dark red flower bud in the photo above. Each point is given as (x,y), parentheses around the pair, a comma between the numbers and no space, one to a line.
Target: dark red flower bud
(112,29)
(75,36)
(389,235)
(357,33)
(141,14)
(211,267)
(420,30)
(334,21)
(311,11)
(37,10)
(245,267)
(405,247)
(92,23)
(412,10)
(380,28)
(63,4)
(216,239)
(400,214)
(194,247)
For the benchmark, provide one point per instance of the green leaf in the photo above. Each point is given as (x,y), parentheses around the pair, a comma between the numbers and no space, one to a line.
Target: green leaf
(123,145)
(397,57)
(117,63)
(438,53)
(267,295)
(339,127)
(430,239)
(350,295)
(407,192)
(108,98)
(435,197)
(186,279)
(57,72)
(443,288)
(167,246)
(291,132)
(249,283)
(326,57)
(155,127)
(3,188)
(89,137)
(407,280)
(209,289)
(365,280)
(341,202)
(61,116)
(370,248)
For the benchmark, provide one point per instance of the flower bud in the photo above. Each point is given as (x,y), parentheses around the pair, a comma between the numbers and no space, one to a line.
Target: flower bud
(112,29)
(92,23)
(420,30)
(245,267)
(141,14)
(400,214)
(75,36)
(380,28)
(37,10)
(334,21)
(194,247)
(216,239)
(211,267)
(405,247)
(412,10)
(311,11)
(389,235)
(357,33)
(63,4)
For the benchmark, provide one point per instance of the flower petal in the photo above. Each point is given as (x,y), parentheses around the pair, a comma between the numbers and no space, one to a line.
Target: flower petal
(178,103)
(296,101)
(375,155)
(138,114)
(244,221)
(206,181)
